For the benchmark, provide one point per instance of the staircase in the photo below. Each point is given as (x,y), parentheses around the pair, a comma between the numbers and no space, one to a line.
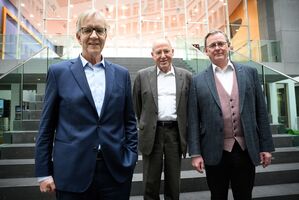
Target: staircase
(278,181)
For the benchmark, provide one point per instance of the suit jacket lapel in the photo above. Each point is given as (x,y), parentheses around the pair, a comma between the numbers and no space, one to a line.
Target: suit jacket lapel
(179,84)
(109,75)
(210,80)
(79,74)
(241,78)
(152,76)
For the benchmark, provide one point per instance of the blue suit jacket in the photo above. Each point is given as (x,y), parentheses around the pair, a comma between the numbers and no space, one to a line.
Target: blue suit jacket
(71,130)
(205,132)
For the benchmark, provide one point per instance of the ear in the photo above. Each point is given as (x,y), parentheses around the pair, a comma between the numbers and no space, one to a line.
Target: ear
(78,36)
(205,50)
(152,54)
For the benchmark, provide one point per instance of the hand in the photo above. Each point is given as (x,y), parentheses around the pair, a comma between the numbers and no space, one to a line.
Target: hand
(266,158)
(198,164)
(47,185)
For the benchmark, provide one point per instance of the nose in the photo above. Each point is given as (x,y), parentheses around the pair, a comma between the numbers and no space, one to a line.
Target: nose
(93,34)
(217,46)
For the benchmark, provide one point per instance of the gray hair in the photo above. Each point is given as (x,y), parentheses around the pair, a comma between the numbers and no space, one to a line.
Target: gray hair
(89,13)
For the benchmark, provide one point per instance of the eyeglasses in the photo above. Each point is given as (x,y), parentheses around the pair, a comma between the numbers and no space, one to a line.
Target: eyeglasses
(219,44)
(88,30)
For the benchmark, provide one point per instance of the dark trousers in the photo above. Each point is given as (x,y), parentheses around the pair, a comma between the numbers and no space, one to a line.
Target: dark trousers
(103,187)
(166,154)
(235,169)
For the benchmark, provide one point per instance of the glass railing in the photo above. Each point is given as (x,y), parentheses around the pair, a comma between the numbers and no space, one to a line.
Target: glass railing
(20,46)
(21,94)
(281,91)
(17,49)
(260,50)
(22,87)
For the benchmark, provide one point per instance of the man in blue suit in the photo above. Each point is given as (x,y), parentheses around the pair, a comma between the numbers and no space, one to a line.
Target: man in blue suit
(228,132)
(87,142)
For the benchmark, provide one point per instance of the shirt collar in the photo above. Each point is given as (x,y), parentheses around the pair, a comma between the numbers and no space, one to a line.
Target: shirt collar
(229,66)
(86,63)
(169,72)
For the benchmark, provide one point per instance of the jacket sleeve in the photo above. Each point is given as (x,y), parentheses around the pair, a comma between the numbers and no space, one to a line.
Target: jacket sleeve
(137,101)
(48,122)
(193,136)
(263,126)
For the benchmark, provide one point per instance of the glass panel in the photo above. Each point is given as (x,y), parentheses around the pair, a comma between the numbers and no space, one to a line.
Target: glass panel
(56,9)
(75,8)
(31,11)
(238,17)
(17,48)
(197,20)
(21,93)
(280,93)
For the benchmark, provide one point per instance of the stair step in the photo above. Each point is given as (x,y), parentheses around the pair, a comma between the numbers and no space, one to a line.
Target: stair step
(285,155)
(191,180)
(36,105)
(26,125)
(31,114)
(19,137)
(18,168)
(285,140)
(17,151)
(12,168)
(22,188)
(12,152)
(277,174)
(269,192)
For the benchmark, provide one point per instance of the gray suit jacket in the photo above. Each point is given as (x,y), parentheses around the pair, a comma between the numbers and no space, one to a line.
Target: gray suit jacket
(145,99)
(205,131)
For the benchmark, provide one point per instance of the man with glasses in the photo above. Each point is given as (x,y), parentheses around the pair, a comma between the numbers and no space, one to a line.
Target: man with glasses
(86,147)
(228,129)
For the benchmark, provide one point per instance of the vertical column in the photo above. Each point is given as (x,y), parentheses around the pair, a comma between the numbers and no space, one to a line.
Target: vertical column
(273,102)
(15,101)
(291,101)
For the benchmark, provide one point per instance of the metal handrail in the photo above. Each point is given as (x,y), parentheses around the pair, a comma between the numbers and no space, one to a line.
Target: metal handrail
(270,68)
(263,65)
(22,63)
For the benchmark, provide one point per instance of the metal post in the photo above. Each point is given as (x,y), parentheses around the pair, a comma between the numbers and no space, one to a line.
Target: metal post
(248,30)
(140,24)
(44,22)
(163,18)
(186,28)
(116,26)
(207,15)
(18,31)
(228,33)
